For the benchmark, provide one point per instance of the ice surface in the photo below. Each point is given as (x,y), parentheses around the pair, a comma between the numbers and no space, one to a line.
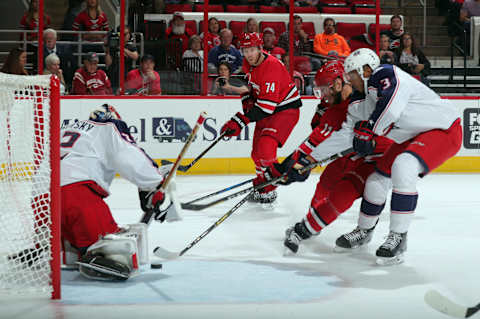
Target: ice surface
(238,270)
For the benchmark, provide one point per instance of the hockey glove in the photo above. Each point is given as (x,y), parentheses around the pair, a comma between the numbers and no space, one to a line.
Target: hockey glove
(235,125)
(248,102)
(156,201)
(363,140)
(269,174)
(318,115)
(292,166)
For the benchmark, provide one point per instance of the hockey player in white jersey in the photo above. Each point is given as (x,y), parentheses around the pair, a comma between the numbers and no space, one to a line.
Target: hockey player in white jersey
(425,128)
(92,152)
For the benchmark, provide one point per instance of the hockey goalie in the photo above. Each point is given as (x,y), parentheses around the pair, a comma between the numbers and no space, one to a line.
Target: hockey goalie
(92,152)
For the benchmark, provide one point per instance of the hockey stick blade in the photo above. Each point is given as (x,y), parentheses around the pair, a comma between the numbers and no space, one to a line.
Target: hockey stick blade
(165,254)
(444,305)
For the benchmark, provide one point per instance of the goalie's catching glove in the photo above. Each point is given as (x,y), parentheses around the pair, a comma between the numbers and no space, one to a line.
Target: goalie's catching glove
(156,201)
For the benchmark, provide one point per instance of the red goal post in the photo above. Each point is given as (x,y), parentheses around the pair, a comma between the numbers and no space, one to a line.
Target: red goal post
(29,185)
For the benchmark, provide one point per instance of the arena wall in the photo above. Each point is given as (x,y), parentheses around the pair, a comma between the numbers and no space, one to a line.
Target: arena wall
(159,124)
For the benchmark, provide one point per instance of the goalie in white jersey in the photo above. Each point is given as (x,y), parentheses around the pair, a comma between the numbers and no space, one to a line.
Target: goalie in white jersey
(92,152)
(425,128)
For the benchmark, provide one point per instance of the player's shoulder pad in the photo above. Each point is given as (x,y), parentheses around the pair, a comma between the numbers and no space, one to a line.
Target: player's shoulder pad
(382,72)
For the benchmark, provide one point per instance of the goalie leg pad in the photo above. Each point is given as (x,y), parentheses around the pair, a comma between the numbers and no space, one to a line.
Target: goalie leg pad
(98,267)
(139,233)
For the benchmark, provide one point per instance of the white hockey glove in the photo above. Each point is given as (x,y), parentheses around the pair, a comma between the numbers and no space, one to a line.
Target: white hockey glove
(156,201)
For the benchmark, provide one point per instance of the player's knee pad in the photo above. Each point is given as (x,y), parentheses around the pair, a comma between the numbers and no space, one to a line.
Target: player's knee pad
(265,152)
(405,171)
(376,188)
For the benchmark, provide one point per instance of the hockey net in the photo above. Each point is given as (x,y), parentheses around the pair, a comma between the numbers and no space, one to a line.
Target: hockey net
(29,185)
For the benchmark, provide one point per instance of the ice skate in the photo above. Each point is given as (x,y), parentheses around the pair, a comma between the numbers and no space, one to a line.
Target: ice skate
(293,236)
(354,239)
(391,251)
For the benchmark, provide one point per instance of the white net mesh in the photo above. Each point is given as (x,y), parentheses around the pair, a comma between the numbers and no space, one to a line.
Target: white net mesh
(25,171)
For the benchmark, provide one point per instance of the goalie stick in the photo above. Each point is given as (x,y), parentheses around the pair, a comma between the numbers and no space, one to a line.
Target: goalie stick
(184,168)
(165,254)
(442,304)
(147,216)
(192,206)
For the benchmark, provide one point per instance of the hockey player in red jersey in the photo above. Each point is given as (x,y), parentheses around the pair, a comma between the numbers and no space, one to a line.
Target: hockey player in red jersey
(342,181)
(272,102)
(92,152)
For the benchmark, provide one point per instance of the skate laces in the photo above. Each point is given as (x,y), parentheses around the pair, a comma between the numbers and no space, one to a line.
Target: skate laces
(356,234)
(393,240)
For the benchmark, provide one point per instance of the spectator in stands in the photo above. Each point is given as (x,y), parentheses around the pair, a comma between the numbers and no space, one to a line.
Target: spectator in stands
(387,56)
(470,8)
(224,52)
(144,80)
(213,36)
(178,30)
(300,41)
(269,44)
(226,85)
(194,53)
(15,62)
(395,32)
(411,59)
(29,21)
(252,26)
(112,57)
(52,66)
(74,8)
(329,42)
(89,80)
(64,53)
(91,19)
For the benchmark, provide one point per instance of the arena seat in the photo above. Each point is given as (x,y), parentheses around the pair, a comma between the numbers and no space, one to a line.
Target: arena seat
(192,25)
(240,8)
(278,26)
(211,8)
(237,27)
(364,10)
(336,10)
(357,44)
(348,30)
(269,9)
(171,8)
(305,10)
(309,28)
(302,64)
(371,28)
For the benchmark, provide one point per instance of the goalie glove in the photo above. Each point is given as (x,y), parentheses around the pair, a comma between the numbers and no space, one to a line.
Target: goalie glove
(155,201)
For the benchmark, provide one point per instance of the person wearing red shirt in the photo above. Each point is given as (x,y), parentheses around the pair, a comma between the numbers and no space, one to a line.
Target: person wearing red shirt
(213,36)
(91,19)
(89,80)
(178,30)
(144,80)
(273,102)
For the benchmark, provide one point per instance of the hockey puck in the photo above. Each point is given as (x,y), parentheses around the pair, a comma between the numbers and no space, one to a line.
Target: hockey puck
(156,266)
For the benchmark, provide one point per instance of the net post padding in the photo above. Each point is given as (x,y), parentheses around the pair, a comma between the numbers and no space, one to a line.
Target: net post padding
(29,184)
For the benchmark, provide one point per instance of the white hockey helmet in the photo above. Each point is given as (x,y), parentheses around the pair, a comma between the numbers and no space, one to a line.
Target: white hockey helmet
(360,57)
(104,113)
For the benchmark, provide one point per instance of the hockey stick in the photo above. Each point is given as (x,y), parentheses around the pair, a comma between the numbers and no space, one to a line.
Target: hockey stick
(442,304)
(184,168)
(193,206)
(147,216)
(217,192)
(165,254)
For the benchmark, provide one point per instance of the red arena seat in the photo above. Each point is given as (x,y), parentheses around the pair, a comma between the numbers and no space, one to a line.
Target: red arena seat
(241,8)
(371,28)
(223,25)
(309,28)
(357,44)
(192,25)
(364,10)
(211,8)
(269,9)
(237,27)
(302,64)
(348,30)
(171,8)
(278,26)
(305,10)
(337,10)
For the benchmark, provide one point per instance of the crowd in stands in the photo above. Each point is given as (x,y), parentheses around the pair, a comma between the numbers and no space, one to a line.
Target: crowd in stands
(224,60)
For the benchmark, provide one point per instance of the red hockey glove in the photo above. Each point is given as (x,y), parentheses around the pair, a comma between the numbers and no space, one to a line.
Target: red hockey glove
(248,102)
(363,140)
(269,174)
(235,125)
(155,201)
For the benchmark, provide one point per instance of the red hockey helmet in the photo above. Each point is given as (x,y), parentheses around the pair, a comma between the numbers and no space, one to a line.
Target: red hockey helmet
(248,40)
(326,75)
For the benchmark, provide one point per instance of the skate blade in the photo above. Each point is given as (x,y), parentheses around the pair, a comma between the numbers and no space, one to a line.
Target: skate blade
(390,261)
(104,270)
(287,252)
(343,250)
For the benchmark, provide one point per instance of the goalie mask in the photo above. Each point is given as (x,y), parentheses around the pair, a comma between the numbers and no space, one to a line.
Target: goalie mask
(104,113)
